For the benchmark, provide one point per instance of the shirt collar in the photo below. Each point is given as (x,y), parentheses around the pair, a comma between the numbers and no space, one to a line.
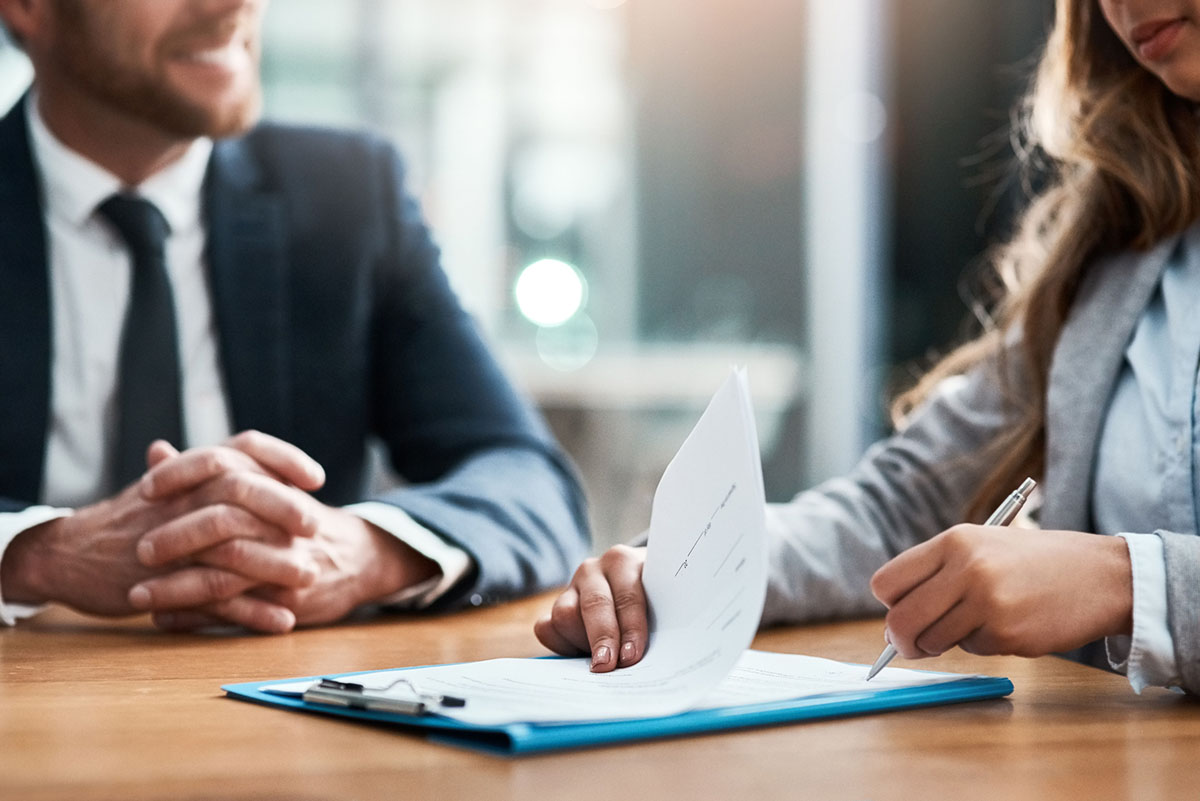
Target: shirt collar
(74,186)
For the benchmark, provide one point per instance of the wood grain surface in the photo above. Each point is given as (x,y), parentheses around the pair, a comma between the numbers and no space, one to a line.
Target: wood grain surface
(95,709)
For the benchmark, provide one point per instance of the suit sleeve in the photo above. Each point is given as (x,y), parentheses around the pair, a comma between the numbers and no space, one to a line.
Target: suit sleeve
(827,542)
(485,474)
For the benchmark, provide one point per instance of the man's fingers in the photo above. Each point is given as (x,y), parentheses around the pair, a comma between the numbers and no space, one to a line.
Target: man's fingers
(255,614)
(192,468)
(159,451)
(187,587)
(622,567)
(270,500)
(250,451)
(245,611)
(282,458)
(267,499)
(263,562)
(201,529)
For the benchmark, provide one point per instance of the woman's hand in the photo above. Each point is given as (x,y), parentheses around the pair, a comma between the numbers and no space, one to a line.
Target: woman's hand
(994,590)
(602,612)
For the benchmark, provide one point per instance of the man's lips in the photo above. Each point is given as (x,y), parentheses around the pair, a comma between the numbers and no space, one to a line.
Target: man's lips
(226,50)
(229,55)
(215,43)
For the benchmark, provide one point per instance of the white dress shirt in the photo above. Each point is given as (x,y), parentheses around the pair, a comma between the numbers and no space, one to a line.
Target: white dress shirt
(90,270)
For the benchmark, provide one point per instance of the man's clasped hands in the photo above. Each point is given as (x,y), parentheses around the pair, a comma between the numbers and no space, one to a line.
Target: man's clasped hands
(216,535)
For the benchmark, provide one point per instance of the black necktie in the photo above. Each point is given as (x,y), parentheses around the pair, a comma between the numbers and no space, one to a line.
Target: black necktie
(148,386)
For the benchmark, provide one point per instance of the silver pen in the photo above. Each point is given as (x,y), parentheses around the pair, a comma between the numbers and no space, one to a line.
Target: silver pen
(1001,517)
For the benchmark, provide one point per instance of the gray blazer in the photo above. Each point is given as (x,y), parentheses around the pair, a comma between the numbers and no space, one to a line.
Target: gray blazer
(827,542)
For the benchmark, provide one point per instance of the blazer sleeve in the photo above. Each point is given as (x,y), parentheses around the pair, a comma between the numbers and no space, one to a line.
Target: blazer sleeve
(483,470)
(827,542)
(1181,553)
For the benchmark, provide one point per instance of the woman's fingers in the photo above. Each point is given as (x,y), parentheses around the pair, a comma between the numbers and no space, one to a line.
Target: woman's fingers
(567,624)
(623,568)
(953,628)
(603,613)
(910,618)
(908,569)
(549,636)
(599,615)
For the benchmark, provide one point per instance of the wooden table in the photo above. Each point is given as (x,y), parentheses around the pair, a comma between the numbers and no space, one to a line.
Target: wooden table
(97,709)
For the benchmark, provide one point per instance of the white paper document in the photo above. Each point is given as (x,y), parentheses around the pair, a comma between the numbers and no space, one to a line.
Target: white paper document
(705,574)
(502,691)
(705,578)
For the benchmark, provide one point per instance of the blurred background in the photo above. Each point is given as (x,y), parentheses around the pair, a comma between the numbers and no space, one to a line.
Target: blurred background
(633,195)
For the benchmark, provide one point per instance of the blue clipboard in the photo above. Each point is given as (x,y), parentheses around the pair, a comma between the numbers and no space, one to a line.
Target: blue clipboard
(515,739)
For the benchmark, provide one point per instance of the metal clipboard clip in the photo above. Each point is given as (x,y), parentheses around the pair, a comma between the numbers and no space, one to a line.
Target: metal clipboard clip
(375,699)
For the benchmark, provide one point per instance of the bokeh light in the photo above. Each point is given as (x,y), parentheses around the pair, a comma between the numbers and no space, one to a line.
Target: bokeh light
(569,346)
(549,292)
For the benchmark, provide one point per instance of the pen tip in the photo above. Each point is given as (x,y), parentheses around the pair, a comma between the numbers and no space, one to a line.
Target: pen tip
(889,653)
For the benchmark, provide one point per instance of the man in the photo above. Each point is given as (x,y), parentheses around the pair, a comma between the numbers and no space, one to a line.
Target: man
(173,274)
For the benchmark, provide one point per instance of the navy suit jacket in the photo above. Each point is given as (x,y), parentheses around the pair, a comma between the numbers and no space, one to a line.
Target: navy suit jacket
(335,325)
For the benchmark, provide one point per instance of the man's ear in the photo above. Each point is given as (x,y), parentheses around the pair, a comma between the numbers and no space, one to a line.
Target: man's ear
(20,18)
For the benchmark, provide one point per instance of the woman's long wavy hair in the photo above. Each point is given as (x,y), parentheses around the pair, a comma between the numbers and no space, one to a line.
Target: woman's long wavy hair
(1121,156)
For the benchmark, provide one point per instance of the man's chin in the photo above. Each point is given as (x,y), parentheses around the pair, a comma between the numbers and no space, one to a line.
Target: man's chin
(191,120)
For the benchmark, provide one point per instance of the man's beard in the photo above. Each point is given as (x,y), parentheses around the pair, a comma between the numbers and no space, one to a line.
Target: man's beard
(140,93)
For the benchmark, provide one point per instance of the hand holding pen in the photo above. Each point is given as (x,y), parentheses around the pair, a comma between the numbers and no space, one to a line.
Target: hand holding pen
(999,590)
(1003,515)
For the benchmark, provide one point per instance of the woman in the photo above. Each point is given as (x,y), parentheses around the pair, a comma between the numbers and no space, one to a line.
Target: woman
(1087,381)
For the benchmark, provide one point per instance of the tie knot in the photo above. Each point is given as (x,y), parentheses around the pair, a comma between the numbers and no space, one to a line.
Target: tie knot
(139,222)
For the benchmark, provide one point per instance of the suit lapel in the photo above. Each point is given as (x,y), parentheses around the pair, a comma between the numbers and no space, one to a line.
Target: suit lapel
(247,245)
(1087,361)
(24,315)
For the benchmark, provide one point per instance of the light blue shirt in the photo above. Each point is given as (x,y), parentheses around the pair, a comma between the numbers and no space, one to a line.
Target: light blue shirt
(1148,458)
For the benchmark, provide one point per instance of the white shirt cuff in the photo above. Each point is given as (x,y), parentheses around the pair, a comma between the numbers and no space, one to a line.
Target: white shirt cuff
(453,561)
(1148,657)
(12,524)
